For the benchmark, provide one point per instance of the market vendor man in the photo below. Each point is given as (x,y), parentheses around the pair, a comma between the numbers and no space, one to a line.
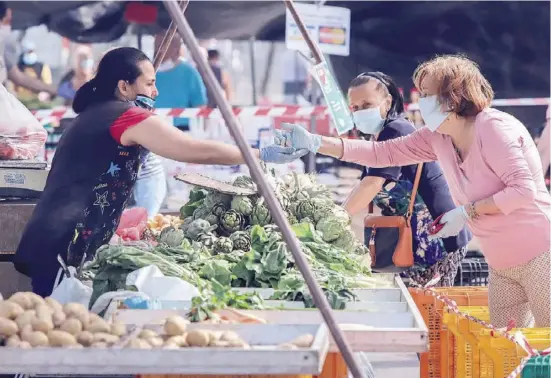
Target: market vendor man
(96,165)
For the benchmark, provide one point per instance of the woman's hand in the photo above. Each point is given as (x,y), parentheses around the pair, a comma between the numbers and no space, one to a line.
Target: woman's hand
(297,137)
(454,221)
(279,154)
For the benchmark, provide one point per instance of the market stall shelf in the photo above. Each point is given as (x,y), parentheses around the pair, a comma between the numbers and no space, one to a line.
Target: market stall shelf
(264,357)
(382,320)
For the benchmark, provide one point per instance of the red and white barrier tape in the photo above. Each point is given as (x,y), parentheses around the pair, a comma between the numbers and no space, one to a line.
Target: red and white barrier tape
(263,111)
(518,338)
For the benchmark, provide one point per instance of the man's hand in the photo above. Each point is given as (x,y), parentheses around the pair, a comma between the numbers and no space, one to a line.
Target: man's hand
(280,155)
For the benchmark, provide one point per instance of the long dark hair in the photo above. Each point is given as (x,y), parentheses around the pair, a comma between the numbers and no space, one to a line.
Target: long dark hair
(117,64)
(387,86)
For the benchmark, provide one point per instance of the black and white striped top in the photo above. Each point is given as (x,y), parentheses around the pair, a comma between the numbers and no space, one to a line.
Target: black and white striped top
(151,165)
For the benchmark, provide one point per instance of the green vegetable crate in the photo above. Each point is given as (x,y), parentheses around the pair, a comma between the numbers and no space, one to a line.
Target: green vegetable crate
(537,367)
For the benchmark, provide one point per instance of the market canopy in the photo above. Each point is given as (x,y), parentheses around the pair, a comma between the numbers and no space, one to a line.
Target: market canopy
(385,35)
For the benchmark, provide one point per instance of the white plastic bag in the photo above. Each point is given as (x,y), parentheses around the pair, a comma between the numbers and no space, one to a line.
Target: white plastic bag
(71,289)
(21,135)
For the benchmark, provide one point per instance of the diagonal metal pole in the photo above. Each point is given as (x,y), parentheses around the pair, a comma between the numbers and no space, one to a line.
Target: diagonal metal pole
(264,188)
(167,39)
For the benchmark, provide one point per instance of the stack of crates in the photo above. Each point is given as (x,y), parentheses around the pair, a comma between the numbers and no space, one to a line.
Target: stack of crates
(499,356)
(466,354)
(438,361)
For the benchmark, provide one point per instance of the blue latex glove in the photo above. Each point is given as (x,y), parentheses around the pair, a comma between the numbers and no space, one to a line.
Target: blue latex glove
(297,137)
(454,221)
(279,154)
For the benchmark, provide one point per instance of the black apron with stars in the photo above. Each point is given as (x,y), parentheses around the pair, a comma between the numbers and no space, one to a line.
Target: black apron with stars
(88,187)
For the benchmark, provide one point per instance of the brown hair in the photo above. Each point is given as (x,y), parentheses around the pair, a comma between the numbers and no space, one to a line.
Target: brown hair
(461,85)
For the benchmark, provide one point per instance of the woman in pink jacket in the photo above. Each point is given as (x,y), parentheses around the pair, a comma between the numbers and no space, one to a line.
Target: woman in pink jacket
(494,173)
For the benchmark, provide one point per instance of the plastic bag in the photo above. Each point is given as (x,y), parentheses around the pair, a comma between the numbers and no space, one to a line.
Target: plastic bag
(71,289)
(21,135)
(132,224)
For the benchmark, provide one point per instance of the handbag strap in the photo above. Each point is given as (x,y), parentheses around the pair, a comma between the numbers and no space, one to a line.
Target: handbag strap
(414,190)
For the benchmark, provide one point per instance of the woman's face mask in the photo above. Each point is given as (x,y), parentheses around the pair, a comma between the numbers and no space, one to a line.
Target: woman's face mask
(431,112)
(145,102)
(30,58)
(369,121)
(87,64)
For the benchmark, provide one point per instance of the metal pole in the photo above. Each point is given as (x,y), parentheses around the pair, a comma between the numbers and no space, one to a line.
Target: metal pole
(264,188)
(167,39)
(253,69)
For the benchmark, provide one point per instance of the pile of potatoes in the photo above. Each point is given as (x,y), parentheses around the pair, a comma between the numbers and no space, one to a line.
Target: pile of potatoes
(27,321)
(177,335)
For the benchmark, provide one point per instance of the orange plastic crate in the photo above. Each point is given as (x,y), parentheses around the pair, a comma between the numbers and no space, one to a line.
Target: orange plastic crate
(438,361)
(334,366)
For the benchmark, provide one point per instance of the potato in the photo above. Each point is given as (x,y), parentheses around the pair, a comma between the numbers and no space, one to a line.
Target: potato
(25,318)
(98,325)
(58,318)
(42,324)
(61,338)
(13,342)
(118,329)
(71,325)
(155,342)
(147,333)
(138,344)
(25,345)
(25,329)
(8,327)
(35,338)
(103,337)
(198,338)
(23,299)
(178,340)
(74,346)
(85,338)
(94,317)
(229,335)
(175,325)
(171,346)
(53,304)
(238,344)
(303,341)
(10,310)
(78,311)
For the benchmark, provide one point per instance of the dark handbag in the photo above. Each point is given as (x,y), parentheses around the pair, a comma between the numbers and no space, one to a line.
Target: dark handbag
(389,238)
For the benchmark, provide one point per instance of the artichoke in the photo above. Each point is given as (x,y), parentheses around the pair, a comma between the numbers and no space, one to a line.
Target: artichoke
(212,219)
(272,232)
(235,256)
(214,198)
(261,215)
(346,240)
(244,182)
(201,212)
(197,227)
(171,236)
(292,218)
(219,209)
(305,209)
(242,205)
(241,241)
(331,227)
(185,225)
(231,221)
(222,246)
(207,239)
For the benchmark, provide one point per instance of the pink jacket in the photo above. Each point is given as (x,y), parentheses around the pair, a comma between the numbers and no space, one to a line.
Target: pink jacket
(504,164)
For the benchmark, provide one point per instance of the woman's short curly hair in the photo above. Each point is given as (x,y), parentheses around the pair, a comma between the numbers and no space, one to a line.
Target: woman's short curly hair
(461,85)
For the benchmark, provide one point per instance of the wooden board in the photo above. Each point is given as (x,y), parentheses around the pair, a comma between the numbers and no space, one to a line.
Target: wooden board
(210,183)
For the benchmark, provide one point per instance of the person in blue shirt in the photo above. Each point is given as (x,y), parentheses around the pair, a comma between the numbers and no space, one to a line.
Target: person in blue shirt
(180,84)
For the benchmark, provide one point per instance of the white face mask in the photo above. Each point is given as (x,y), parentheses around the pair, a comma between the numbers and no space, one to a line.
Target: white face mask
(30,58)
(431,112)
(369,121)
(166,65)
